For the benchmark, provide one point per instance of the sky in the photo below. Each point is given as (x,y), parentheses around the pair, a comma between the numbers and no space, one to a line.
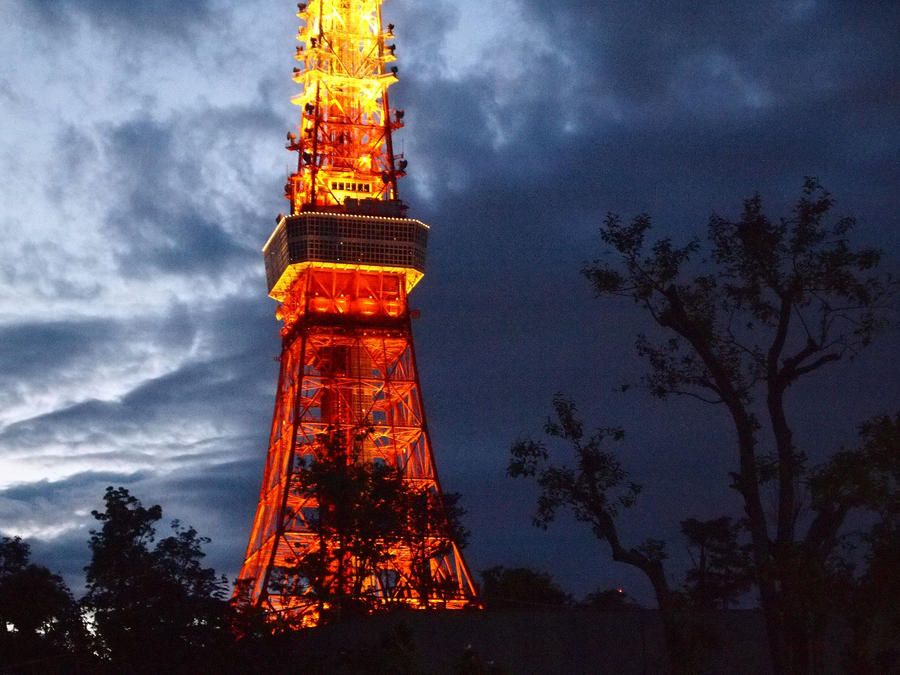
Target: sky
(141,170)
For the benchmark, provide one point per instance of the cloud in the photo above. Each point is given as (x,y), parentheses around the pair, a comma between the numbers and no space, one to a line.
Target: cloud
(171,18)
(775,52)
(165,219)
(27,346)
(57,511)
(154,424)
(422,34)
(158,380)
(59,364)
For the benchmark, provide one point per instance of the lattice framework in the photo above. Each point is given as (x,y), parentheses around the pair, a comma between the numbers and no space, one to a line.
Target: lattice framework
(344,140)
(341,266)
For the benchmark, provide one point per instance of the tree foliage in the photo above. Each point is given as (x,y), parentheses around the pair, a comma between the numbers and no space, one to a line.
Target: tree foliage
(520,588)
(39,620)
(355,522)
(609,600)
(432,524)
(863,586)
(740,321)
(722,567)
(770,303)
(365,514)
(150,606)
(595,489)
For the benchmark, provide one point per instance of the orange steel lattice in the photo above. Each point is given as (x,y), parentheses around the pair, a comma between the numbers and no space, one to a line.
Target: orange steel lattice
(341,266)
(344,140)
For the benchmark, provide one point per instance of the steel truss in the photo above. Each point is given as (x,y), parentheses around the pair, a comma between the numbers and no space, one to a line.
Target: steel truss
(340,266)
(347,367)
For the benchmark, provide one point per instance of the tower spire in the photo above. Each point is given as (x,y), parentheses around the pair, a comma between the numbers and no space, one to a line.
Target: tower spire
(341,266)
(344,140)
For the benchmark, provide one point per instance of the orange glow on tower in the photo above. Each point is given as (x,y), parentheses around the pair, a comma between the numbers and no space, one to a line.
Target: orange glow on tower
(344,140)
(341,265)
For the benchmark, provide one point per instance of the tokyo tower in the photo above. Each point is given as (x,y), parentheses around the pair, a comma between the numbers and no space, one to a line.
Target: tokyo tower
(341,266)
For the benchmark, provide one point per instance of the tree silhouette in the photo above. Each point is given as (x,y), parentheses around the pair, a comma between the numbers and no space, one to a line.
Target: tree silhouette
(367,514)
(865,478)
(39,619)
(609,599)
(152,608)
(520,588)
(356,524)
(595,490)
(432,524)
(722,570)
(764,305)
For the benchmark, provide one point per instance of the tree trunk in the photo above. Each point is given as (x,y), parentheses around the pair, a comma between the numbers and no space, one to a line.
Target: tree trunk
(655,573)
(680,659)
(678,319)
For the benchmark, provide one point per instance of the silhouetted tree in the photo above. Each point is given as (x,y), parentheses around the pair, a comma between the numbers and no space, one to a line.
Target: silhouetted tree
(722,570)
(40,626)
(355,521)
(594,490)
(520,588)
(865,478)
(366,513)
(609,599)
(154,608)
(765,305)
(432,524)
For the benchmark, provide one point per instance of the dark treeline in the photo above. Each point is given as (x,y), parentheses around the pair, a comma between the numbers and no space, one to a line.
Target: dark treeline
(151,606)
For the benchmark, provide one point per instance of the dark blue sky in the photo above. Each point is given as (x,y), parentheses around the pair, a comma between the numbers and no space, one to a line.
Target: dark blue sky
(142,167)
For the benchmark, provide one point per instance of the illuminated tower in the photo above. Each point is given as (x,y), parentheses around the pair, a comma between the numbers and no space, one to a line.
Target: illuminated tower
(341,266)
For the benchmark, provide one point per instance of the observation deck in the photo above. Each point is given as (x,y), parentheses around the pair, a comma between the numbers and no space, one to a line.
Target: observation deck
(365,234)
